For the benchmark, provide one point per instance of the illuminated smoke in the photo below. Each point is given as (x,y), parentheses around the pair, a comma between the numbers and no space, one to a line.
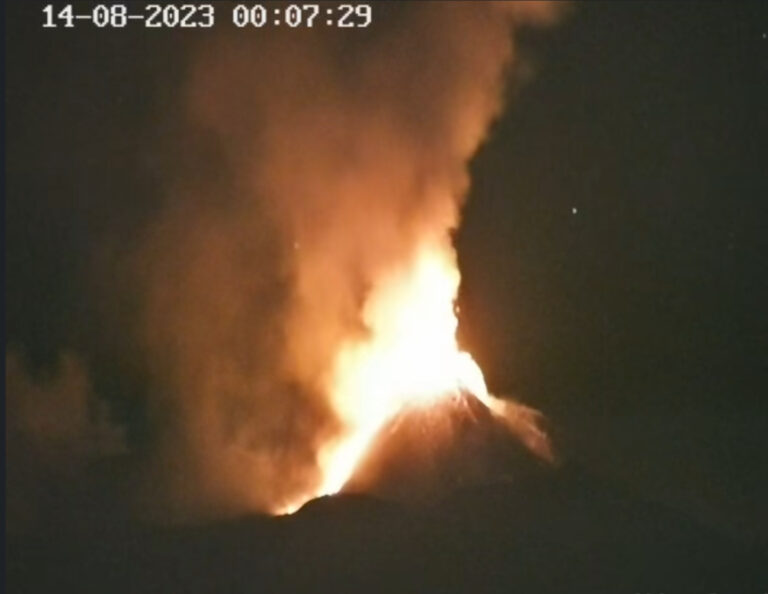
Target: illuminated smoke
(315,163)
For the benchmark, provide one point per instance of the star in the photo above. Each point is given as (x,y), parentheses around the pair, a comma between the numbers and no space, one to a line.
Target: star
(574,210)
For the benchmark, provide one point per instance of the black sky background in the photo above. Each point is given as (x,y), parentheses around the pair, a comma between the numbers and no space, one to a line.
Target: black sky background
(637,324)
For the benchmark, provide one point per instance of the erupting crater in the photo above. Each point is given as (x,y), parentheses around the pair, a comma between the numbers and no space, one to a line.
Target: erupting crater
(415,412)
(428,451)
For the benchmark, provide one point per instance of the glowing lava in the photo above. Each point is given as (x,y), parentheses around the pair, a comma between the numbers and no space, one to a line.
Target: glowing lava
(409,356)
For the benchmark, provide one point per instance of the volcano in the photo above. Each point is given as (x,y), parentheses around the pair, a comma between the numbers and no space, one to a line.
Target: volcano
(449,497)
(548,530)
(433,448)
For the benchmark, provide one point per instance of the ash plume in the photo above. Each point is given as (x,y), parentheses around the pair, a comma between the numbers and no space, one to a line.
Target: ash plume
(311,162)
(338,153)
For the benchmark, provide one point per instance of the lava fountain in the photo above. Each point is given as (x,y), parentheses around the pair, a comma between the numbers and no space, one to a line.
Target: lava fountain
(408,356)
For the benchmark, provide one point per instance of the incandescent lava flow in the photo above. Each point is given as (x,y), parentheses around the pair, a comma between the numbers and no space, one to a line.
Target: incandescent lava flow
(405,392)
(428,451)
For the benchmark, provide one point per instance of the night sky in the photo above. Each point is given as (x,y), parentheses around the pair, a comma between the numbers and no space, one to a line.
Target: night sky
(637,322)
(612,248)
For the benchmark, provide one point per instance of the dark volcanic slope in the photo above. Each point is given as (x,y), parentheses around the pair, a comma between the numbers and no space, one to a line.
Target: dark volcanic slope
(564,533)
(545,530)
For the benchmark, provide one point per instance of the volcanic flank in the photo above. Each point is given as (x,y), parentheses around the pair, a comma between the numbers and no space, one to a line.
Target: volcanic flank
(430,449)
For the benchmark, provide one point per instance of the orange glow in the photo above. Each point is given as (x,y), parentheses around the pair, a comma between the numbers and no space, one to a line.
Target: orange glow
(409,356)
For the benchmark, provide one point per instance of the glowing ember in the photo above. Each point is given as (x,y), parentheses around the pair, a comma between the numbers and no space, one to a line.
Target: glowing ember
(409,356)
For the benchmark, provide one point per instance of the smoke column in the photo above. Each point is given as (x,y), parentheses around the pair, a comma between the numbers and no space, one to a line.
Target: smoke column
(313,163)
